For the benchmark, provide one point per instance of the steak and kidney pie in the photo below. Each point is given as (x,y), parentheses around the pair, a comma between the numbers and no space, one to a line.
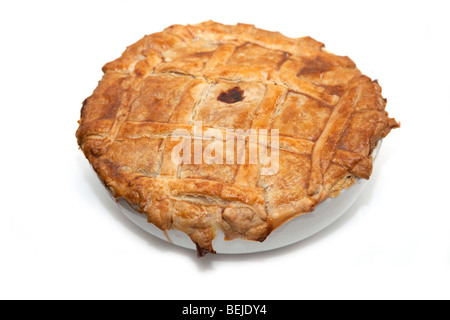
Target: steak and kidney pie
(177,125)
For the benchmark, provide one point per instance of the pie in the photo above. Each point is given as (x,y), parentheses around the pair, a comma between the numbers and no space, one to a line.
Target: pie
(230,79)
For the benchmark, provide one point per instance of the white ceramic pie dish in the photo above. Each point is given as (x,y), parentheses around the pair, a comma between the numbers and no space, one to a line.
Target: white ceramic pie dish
(291,232)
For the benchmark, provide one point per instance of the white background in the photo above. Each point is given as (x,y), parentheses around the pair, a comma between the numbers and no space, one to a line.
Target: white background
(61,237)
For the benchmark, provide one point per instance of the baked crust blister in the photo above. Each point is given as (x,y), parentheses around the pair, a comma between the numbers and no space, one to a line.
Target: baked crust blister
(330,117)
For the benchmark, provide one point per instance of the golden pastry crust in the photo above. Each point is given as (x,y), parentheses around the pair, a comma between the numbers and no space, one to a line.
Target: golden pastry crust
(330,117)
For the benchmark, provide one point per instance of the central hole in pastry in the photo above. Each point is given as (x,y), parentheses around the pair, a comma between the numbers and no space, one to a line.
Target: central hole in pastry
(232,96)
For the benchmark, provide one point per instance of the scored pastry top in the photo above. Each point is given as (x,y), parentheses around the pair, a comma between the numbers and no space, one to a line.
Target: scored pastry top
(197,79)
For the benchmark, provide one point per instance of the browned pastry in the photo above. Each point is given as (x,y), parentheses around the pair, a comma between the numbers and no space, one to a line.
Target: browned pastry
(330,117)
